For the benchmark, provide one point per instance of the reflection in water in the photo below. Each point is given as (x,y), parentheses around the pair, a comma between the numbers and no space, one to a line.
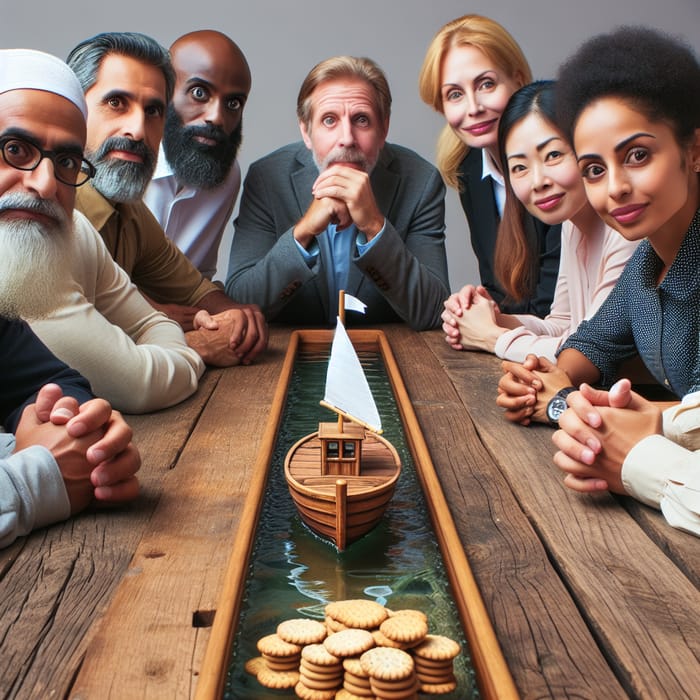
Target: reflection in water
(295,573)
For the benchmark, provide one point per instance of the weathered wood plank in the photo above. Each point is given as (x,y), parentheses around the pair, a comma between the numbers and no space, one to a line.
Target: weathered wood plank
(56,584)
(549,649)
(633,597)
(175,577)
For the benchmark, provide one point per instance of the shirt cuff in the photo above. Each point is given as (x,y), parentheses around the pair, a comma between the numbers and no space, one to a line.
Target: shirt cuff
(651,464)
(681,423)
(361,240)
(309,255)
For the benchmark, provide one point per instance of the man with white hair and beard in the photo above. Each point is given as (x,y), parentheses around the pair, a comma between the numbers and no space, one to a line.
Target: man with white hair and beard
(196,181)
(55,271)
(128,81)
(342,210)
(68,448)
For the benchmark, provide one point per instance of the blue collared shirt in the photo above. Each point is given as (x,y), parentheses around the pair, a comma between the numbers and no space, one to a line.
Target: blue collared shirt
(659,321)
(341,246)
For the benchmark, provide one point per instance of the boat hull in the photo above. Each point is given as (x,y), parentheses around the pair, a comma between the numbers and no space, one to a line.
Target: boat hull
(342,514)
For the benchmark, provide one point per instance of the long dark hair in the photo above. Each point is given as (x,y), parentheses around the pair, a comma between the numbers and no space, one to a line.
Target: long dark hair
(516,253)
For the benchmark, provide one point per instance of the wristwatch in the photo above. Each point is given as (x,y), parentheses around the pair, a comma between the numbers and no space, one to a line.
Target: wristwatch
(557,405)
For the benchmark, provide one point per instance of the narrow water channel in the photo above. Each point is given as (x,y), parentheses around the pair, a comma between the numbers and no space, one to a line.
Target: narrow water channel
(294,573)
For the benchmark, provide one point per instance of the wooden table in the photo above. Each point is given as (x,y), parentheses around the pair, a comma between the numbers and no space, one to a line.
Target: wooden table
(590,597)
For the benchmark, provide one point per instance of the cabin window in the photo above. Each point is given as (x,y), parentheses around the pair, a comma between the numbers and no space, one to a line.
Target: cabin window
(333,449)
(348,449)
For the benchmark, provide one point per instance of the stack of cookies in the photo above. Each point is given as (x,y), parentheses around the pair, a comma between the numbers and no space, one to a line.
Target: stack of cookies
(391,673)
(363,651)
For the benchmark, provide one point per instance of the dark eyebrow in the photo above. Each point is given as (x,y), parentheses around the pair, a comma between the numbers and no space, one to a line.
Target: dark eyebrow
(539,147)
(130,96)
(196,79)
(19,133)
(620,146)
(546,142)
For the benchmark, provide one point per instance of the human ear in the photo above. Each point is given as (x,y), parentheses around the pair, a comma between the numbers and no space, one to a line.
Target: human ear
(305,134)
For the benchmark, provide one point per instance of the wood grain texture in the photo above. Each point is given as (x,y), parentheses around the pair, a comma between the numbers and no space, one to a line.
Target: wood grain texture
(177,568)
(547,644)
(632,596)
(56,584)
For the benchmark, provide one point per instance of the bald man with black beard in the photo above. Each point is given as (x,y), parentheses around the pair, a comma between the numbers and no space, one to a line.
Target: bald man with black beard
(197,179)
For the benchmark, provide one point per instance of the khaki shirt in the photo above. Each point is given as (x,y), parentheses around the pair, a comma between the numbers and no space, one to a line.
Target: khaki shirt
(138,244)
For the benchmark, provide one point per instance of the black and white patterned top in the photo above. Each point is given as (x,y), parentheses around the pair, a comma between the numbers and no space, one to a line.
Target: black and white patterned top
(661,322)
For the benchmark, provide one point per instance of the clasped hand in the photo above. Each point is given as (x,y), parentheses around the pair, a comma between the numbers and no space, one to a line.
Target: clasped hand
(90,442)
(525,389)
(342,196)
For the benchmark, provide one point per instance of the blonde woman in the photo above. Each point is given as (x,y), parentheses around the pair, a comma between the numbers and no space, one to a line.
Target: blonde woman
(471,69)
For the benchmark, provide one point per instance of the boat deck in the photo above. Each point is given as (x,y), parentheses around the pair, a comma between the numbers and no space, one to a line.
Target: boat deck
(590,596)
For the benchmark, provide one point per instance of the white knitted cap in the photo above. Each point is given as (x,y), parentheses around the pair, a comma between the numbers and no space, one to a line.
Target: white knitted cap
(27,69)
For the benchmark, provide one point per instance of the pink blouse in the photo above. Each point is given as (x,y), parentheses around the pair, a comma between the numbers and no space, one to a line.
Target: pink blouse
(588,270)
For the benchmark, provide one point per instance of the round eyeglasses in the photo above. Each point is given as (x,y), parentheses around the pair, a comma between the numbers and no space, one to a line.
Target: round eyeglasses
(69,168)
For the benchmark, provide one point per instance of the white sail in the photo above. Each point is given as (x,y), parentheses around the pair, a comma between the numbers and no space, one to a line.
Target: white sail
(347,389)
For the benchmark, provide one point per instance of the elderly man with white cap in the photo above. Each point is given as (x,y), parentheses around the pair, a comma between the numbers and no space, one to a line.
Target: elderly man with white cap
(68,448)
(55,271)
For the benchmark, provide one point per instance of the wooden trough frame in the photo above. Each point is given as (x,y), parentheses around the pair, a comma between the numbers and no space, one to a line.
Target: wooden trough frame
(492,674)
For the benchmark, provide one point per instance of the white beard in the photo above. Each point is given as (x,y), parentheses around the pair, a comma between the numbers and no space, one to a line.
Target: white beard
(35,261)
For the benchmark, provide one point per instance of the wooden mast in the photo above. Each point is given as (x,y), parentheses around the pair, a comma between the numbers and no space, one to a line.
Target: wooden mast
(341,316)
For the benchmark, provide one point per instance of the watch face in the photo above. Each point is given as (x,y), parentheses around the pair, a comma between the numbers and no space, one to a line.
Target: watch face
(555,408)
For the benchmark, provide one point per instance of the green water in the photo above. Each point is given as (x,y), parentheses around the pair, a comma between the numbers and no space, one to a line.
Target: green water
(294,573)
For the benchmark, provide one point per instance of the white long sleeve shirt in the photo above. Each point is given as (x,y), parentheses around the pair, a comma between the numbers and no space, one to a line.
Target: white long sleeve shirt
(663,471)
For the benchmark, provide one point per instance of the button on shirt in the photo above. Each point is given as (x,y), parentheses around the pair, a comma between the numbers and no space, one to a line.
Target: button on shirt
(659,321)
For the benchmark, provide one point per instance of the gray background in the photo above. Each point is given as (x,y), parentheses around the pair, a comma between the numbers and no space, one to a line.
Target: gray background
(283,39)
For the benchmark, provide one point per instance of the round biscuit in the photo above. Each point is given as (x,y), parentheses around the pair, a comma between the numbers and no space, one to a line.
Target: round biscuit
(386,663)
(302,631)
(352,665)
(321,684)
(357,612)
(438,688)
(312,694)
(436,678)
(358,688)
(274,645)
(409,611)
(350,642)
(334,625)
(320,656)
(437,647)
(345,694)
(405,629)
(254,665)
(282,663)
(381,640)
(320,672)
(407,692)
(276,679)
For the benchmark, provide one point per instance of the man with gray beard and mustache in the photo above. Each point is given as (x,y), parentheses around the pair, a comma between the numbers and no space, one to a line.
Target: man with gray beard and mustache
(63,447)
(128,82)
(55,272)
(196,181)
(342,210)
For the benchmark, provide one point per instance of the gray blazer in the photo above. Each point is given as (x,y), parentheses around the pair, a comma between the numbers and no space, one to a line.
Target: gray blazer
(403,276)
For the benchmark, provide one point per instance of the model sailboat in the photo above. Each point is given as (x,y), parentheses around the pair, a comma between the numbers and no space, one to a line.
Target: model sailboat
(343,476)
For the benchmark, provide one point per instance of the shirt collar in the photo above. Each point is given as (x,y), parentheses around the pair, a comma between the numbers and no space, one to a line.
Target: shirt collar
(488,169)
(163,168)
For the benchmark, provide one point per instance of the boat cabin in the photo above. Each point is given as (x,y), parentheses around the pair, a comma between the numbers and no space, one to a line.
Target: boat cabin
(341,448)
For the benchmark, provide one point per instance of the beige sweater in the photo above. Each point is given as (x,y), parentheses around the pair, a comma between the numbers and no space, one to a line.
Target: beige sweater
(133,356)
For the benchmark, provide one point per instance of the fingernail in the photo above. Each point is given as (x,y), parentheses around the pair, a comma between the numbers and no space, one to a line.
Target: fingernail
(63,413)
(587,456)
(98,456)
